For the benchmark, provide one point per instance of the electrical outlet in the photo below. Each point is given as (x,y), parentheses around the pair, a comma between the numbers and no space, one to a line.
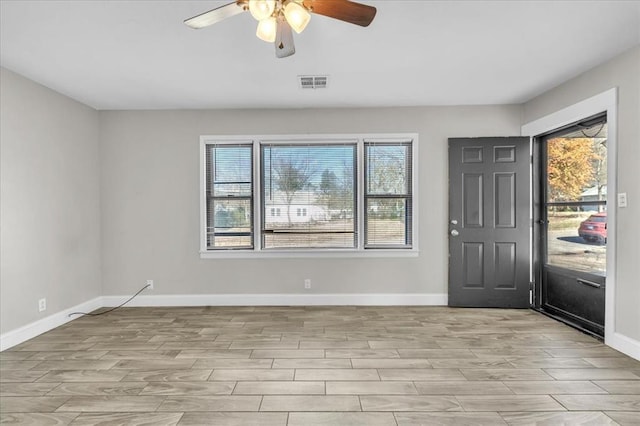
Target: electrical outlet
(42,305)
(150,284)
(307,284)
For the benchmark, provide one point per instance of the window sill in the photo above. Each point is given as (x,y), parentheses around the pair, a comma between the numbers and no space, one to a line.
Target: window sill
(298,254)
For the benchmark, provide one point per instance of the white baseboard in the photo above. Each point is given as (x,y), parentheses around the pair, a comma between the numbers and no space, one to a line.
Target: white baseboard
(624,344)
(29,331)
(383,299)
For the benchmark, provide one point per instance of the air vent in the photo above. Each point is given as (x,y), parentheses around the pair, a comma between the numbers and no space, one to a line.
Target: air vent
(313,81)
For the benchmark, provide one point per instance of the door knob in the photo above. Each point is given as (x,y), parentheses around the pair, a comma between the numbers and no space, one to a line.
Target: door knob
(454,233)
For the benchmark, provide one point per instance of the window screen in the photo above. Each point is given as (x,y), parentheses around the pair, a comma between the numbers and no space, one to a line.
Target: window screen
(308,196)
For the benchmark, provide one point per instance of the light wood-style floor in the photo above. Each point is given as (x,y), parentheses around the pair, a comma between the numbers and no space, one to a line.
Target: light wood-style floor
(317,366)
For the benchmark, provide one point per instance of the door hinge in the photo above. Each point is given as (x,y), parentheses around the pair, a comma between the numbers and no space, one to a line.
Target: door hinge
(531,285)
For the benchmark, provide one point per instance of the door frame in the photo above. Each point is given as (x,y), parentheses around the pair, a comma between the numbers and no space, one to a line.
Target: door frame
(604,102)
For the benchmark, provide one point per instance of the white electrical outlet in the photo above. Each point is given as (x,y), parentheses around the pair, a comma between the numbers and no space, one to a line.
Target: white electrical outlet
(150,284)
(307,284)
(42,305)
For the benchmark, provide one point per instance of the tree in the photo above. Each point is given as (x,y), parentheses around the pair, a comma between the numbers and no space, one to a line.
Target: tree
(329,189)
(292,176)
(570,167)
(388,176)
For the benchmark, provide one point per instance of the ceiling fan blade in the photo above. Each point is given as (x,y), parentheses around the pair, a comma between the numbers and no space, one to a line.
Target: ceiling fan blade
(215,15)
(284,39)
(344,10)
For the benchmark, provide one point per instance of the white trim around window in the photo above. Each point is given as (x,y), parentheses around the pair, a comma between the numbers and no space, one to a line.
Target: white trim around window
(214,191)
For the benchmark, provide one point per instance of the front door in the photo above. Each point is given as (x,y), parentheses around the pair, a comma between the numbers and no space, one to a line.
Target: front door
(573,224)
(489,222)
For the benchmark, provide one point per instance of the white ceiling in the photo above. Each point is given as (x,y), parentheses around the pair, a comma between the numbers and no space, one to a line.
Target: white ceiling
(139,54)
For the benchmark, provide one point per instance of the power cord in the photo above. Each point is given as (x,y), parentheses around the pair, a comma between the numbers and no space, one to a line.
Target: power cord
(112,309)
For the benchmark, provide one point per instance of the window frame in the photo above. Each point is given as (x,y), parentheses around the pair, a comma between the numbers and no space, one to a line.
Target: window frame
(360,208)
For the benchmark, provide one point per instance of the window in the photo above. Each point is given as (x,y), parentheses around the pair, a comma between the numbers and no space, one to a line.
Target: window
(229,196)
(388,194)
(314,185)
(314,194)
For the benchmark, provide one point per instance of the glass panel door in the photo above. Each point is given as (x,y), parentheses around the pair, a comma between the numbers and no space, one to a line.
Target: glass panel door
(574,218)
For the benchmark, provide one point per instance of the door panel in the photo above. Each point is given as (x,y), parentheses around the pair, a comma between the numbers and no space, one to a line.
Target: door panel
(489,205)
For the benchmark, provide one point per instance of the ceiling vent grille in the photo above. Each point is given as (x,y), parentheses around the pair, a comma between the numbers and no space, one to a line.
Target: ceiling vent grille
(313,81)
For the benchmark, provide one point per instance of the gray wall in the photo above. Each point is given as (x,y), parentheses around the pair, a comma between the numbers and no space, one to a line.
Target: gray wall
(50,216)
(622,72)
(150,199)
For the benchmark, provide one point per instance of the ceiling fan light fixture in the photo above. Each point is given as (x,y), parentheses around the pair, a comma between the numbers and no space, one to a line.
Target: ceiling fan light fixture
(267,30)
(262,9)
(297,16)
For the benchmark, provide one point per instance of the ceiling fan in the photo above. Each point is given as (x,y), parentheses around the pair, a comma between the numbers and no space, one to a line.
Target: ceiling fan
(276,18)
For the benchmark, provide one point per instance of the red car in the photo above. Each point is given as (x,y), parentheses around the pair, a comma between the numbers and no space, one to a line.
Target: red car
(594,229)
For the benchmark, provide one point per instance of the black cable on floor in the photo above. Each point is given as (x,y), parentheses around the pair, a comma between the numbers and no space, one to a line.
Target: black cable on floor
(112,309)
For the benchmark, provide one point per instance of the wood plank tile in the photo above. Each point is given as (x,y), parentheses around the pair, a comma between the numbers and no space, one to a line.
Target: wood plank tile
(31,404)
(419,374)
(600,402)
(188,388)
(214,353)
(328,344)
(287,353)
(336,374)
(390,363)
(39,419)
(191,359)
(409,403)
(312,363)
(234,419)
(592,418)
(210,403)
(310,403)
(506,374)
(591,374)
(129,419)
(279,388)
(553,387)
(449,418)
(104,388)
(620,387)
(235,364)
(118,355)
(26,389)
(155,364)
(110,404)
(462,388)
(83,376)
(166,375)
(624,418)
(351,419)
(20,376)
(614,362)
(66,355)
(252,375)
(436,353)
(548,363)
(361,353)
(509,403)
(471,363)
(370,388)
(600,351)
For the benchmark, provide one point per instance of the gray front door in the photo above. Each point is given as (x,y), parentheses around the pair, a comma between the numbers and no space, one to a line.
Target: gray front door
(489,222)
